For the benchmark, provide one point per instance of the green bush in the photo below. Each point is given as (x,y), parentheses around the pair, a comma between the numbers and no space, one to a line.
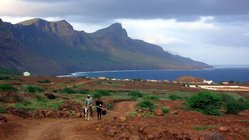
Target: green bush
(2,109)
(134,98)
(68,90)
(135,93)
(174,97)
(83,92)
(234,103)
(96,95)
(165,109)
(33,89)
(146,104)
(151,97)
(235,106)
(206,102)
(109,106)
(7,88)
(44,81)
(103,92)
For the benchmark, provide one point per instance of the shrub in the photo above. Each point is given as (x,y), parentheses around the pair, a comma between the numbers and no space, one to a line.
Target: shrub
(103,92)
(135,93)
(96,95)
(206,102)
(146,104)
(83,92)
(44,81)
(7,87)
(2,109)
(134,98)
(151,97)
(132,114)
(165,109)
(68,90)
(233,104)
(33,89)
(109,106)
(174,97)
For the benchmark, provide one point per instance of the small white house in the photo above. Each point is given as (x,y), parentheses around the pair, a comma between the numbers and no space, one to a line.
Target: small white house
(26,74)
(102,78)
(208,82)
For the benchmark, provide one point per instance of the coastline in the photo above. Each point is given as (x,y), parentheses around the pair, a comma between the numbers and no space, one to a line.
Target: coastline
(217,74)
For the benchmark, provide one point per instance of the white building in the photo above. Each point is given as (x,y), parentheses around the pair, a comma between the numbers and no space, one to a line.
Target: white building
(26,74)
(208,81)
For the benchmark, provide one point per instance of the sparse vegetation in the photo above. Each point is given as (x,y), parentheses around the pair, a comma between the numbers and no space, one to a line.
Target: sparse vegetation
(68,90)
(2,109)
(134,98)
(96,95)
(36,104)
(109,106)
(165,109)
(146,104)
(83,92)
(151,97)
(132,114)
(174,97)
(103,92)
(7,88)
(44,81)
(33,89)
(204,127)
(135,93)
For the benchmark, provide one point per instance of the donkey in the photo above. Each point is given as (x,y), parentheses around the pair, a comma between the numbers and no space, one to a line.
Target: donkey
(86,112)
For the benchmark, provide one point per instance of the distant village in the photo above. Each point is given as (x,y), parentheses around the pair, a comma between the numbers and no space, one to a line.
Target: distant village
(193,82)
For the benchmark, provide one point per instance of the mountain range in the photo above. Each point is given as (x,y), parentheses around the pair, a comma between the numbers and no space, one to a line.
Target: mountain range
(54,48)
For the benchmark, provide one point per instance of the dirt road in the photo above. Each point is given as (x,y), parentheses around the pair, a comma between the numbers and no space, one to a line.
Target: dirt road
(61,129)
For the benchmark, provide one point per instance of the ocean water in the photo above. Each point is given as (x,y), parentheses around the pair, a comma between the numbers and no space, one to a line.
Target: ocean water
(217,74)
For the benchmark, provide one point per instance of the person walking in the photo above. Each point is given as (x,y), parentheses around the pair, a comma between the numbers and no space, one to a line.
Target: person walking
(89,103)
(99,106)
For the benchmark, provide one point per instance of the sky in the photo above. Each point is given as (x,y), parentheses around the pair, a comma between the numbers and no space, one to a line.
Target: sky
(212,31)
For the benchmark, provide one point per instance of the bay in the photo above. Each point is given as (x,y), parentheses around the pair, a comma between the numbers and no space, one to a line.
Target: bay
(217,74)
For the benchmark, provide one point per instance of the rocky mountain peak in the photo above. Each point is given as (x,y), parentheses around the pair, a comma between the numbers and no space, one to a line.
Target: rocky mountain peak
(115,29)
(61,27)
(33,21)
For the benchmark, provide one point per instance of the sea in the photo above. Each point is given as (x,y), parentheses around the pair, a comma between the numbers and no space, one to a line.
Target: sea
(217,74)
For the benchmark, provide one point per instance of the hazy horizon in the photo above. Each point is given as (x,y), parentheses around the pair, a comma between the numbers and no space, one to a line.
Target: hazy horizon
(213,32)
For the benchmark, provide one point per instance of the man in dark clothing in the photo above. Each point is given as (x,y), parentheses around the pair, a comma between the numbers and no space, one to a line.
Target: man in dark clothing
(99,105)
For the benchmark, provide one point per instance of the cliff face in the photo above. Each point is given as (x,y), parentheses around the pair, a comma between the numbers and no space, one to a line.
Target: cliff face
(52,48)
